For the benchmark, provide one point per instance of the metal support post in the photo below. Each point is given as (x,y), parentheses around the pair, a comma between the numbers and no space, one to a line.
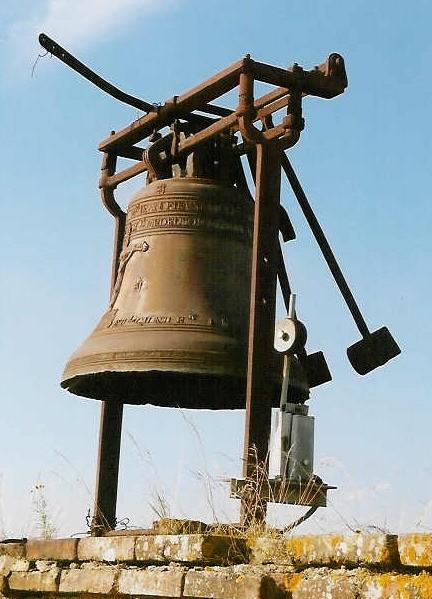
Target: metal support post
(104,517)
(111,417)
(265,260)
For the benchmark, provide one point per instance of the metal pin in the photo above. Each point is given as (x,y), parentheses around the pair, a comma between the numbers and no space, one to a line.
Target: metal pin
(291,307)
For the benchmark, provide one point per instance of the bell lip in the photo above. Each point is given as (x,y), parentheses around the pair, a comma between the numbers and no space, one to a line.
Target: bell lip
(162,389)
(212,381)
(191,363)
(166,389)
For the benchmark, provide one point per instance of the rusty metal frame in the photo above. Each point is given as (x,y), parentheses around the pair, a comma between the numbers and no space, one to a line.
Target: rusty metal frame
(325,81)
(261,322)
(193,112)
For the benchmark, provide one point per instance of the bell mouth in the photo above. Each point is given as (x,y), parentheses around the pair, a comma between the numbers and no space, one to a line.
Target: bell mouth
(164,389)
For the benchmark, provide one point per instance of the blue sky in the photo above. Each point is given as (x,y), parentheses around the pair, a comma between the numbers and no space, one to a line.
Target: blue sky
(365,161)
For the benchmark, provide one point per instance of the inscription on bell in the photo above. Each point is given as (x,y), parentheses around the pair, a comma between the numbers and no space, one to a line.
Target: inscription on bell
(169,221)
(143,319)
(165,206)
(158,319)
(189,206)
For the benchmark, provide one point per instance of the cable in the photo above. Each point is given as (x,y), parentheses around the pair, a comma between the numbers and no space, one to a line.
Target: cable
(311,511)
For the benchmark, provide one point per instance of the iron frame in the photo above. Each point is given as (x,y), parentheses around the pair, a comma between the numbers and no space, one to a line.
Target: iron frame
(267,147)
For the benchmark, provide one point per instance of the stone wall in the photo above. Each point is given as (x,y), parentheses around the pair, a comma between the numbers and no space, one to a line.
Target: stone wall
(219,566)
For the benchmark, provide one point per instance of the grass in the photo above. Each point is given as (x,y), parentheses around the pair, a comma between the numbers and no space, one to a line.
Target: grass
(42,513)
(164,506)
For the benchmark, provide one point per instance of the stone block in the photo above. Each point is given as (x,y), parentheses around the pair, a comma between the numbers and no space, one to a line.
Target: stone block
(151,582)
(324,584)
(52,549)
(195,548)
(222,583)
(369,549)
(44,565)
(6,563)
(20,565)
(88,580)
(42,582)
(175,526)
(396,586)
(415,549)
(11,564)
(13,549)
(324,550)
(107,549)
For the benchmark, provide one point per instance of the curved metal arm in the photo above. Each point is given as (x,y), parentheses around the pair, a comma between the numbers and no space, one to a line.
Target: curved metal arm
(246,110)
(287,134)
(108,167)
(56,50)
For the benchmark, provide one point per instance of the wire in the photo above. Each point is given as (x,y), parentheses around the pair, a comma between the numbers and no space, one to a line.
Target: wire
(124,523)
(39,56)
(311,511)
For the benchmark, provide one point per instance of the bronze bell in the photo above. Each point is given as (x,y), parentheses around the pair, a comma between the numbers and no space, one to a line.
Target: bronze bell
(175,332)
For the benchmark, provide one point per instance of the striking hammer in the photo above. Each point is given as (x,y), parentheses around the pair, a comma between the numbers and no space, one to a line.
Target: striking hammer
(374,349)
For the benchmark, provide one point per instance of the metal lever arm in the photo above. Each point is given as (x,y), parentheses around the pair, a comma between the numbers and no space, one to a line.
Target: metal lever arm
(59,52)
(324,246)
(54,48)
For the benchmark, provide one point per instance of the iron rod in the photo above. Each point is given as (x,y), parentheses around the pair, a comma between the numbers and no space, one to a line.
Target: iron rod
(286,294)
(324,246)
(316,82)
(261,325)
(111,418)
(56,50)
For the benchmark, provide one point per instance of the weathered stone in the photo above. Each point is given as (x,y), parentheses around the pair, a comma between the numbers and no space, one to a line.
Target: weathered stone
(323,550)
(415,549)
(88,580)
(45,565)
(11,564)
(208,549)
(151,582)
(323,584)
(43,582)
(6,562)
(220,584)
(21,565)
(12,549)
(372,549)
(175,526)
(52,549)
(397,586)
(290,572)
(107,549)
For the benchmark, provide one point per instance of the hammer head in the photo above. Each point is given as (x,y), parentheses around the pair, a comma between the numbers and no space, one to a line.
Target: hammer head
(317,371)
(374,350)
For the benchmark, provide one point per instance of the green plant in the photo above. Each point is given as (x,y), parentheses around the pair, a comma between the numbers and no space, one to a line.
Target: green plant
(43,518)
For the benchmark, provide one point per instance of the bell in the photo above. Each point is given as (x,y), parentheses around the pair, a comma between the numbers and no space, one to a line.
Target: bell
(175,332)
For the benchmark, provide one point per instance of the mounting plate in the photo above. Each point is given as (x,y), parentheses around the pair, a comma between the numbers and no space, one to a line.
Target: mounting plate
(311,492)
